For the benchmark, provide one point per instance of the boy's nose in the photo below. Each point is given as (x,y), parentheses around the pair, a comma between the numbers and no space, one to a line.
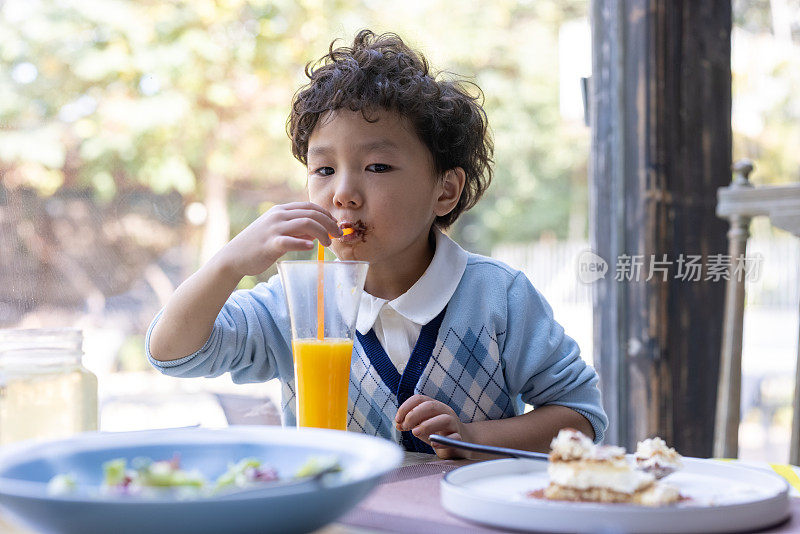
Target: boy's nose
(346,194)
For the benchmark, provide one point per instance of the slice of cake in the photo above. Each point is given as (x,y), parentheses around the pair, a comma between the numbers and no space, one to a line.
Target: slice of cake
(653,455)
(579,470)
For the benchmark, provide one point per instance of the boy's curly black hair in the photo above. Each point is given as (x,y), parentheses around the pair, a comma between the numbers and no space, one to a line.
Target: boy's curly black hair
(381,71)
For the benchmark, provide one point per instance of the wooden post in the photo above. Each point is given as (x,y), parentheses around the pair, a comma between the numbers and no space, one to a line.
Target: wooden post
(726,425)
(661,146)
(607,169)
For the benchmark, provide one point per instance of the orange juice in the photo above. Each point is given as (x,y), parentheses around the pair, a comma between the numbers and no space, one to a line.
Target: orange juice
(322,375)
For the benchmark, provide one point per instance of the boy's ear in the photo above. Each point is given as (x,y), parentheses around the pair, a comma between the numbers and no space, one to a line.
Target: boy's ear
(451,186)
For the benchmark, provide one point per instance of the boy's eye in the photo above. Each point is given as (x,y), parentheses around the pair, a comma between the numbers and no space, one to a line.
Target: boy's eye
(324,171)
(378,167)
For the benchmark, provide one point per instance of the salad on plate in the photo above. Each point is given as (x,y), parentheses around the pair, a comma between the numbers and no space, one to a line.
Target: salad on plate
(145,477)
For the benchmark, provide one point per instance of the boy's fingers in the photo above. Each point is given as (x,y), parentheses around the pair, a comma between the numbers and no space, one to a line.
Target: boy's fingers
(295,243)
(439,424)
(327,217)
(306,206)
(306,228)
(444,452)
(411,403)
(449,453)
(422,412)
(326,221)
(453,435)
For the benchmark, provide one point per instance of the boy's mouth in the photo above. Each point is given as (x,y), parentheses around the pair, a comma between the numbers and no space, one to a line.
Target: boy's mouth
(358,233)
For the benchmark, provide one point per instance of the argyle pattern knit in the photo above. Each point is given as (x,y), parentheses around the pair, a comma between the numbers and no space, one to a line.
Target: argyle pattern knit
(497,344)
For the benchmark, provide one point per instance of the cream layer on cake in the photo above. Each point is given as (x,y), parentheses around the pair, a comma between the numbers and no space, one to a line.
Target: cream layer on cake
(585,475)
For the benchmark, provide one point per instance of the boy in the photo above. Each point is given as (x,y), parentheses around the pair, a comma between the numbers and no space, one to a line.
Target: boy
(447,341)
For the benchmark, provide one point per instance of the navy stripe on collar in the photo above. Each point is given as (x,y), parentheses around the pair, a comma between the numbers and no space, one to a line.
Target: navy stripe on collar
(419,358)
(379,359)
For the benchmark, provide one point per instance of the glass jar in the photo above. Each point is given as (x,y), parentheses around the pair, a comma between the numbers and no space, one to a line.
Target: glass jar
(45,392)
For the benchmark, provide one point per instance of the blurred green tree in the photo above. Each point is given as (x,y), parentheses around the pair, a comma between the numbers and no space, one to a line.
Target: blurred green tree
(170,96)
(193,96)
(163,123)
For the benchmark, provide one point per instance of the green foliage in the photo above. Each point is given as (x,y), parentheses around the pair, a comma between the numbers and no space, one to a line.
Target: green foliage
(116,95)
(248,282)
(120,94)
(131,355)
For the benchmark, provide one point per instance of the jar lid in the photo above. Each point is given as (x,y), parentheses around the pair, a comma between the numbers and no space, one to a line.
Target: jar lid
(69,339)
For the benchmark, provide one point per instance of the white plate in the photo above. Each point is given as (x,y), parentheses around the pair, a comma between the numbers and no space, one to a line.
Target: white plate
(724,498)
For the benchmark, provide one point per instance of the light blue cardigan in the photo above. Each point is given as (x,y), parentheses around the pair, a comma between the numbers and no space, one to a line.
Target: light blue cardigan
(497,343)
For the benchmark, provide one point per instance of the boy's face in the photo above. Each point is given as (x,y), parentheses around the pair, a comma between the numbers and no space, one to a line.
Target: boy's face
(378,178)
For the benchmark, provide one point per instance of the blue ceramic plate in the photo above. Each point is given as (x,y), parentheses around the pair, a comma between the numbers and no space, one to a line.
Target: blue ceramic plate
(25,470)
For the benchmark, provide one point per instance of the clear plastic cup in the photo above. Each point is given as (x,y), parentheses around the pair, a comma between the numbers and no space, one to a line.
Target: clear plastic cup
(322,355)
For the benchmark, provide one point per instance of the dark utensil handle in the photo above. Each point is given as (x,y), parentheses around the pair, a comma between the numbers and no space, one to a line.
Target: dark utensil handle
(500,451)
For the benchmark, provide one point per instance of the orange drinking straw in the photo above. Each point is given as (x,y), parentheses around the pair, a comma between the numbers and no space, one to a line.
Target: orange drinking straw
(321,286)
(320,291)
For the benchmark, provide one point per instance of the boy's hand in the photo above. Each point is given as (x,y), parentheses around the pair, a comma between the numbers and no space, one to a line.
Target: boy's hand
(424,416)
(285,227)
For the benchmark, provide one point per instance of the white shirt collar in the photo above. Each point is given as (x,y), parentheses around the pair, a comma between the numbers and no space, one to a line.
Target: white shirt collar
(429,295)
